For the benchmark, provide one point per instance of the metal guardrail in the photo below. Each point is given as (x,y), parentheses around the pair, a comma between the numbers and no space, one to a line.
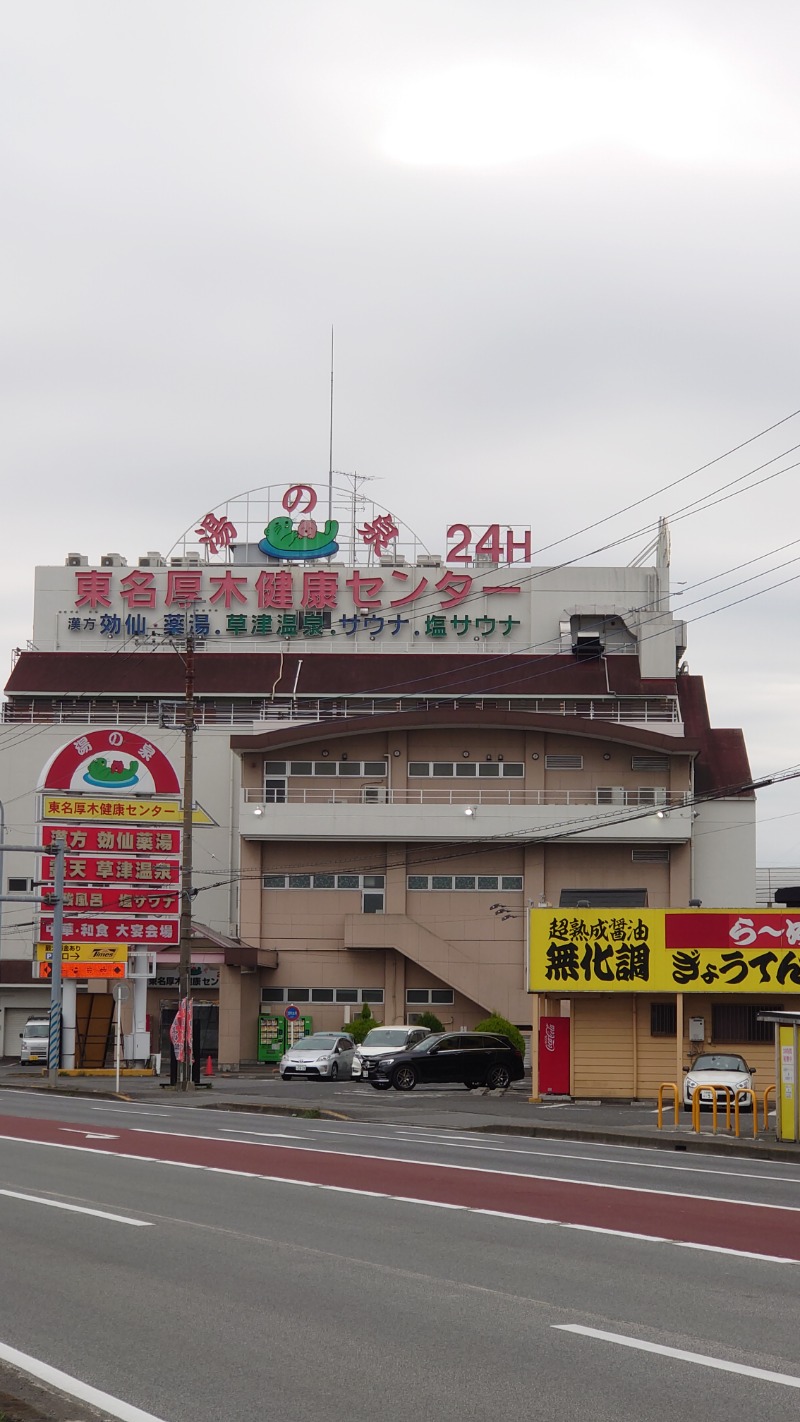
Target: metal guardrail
(381,795)
(734,1098)
(243,712)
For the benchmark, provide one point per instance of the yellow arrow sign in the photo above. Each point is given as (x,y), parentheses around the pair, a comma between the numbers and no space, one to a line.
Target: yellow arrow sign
(120,809)
(85,952)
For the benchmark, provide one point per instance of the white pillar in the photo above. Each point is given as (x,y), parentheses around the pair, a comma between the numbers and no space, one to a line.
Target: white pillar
(69,998)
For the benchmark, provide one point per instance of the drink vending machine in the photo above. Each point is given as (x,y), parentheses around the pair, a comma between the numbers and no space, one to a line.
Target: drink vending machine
(276,1035)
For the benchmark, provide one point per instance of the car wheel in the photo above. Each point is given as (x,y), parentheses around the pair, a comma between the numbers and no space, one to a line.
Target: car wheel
(334,1070)
(380,1085)
(498,1078)
(404,1078)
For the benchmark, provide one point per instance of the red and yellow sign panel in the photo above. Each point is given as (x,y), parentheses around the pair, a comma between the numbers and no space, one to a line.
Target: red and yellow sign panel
(84,970)
(85,952)
(88,809)
(664,950)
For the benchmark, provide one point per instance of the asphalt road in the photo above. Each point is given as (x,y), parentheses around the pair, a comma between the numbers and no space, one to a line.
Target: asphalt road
(202,1266)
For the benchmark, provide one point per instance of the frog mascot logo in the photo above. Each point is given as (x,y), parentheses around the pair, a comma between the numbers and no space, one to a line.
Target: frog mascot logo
(283,540)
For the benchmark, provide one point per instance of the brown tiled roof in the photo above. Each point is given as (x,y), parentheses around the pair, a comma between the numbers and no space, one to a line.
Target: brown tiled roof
(154,674)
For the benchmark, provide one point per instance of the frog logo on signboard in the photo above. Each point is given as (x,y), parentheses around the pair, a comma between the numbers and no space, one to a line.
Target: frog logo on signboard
(114,761)
(307,540)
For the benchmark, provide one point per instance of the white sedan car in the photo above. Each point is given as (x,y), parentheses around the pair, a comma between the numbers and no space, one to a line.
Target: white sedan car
(323,1054)
(714,1069)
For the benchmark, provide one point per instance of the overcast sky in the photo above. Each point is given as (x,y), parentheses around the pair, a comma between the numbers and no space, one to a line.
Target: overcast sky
(558,243)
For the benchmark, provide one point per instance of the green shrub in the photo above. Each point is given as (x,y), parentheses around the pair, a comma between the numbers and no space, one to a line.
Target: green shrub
(496,1023)
(361,1025)
(429,1020)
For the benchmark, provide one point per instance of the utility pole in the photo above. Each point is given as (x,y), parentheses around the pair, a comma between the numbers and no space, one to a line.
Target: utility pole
(56,981)
(185,988)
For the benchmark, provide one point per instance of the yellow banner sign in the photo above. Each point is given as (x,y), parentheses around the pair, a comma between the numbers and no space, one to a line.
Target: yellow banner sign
(90,808)
(85,952)
(664,950)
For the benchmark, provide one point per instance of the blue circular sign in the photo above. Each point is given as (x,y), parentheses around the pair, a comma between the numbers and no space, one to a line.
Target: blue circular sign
(292,1013)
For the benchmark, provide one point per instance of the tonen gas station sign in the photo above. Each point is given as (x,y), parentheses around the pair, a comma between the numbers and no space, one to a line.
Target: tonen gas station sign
(664,951)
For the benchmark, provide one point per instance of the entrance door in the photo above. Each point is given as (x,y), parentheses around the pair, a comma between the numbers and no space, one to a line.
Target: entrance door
(274,791)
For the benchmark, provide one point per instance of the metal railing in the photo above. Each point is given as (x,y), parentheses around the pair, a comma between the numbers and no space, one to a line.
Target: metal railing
(380,795)
(249,711)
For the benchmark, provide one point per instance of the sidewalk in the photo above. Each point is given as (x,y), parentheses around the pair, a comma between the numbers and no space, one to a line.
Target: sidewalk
(440,1108)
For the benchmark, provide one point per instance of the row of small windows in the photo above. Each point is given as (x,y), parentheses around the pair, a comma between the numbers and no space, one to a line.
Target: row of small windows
(415,997)
(323,881)
(328,768)
(478,882)
(466,769)
(319,994)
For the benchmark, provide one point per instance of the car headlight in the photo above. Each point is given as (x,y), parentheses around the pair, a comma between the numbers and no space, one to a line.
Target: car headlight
(743,1085)
(690,1083)
(322,1060)
(385,1061)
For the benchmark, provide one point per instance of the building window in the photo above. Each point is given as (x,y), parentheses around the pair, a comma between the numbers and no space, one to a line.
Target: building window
(445,769)
(663,1019)
(344,995)
(372,900)
(563,762)
(427,997)
(735,1022)
(19,886)
(375,769)
(658,763)
(482,883)
(323,881)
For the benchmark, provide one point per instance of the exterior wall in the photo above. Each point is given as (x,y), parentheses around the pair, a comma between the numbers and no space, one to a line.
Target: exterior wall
(724,841)
(615,1055)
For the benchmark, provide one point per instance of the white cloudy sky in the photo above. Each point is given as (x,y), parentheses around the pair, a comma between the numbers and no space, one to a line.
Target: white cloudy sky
(558,243)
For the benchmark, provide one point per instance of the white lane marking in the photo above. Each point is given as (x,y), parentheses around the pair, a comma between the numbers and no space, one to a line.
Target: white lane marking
(397,1199)
(464,1143)
(449,1165)
(764,1374)
(54,1377)
(77,1209)
(139,1111)
(90,1135)
(271,1135)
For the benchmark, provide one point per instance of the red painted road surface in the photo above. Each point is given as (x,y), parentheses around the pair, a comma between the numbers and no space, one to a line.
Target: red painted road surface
(751,1228)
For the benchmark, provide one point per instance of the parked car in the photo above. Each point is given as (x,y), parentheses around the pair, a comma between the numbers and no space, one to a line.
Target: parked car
(322,1054)
(474,1058)
(714,1069)
(33,1040)
(384,1042)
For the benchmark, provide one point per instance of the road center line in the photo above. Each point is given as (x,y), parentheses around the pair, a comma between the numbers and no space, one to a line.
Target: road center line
(764,1374)
(77,1209)
(114,1406)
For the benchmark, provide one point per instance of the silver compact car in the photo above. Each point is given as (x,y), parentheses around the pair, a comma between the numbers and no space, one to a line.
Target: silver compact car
(715,1070)
(322,1055)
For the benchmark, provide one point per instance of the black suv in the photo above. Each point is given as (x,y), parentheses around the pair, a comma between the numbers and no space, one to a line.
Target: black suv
(474,1058)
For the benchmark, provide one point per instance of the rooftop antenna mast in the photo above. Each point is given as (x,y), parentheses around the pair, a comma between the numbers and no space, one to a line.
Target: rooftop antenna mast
(330,444)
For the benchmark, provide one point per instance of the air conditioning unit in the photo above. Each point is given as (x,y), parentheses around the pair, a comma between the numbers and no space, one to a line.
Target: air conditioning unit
(484,560)
(152,560)
(610,794)
(189,560)
(113,560)
(429,560)
(77,560)
(392,560)
(374,794)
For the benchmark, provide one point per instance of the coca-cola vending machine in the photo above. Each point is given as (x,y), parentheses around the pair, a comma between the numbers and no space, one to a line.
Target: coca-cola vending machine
(554,1056)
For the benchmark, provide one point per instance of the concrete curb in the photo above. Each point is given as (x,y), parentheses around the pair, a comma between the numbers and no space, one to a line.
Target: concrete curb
(693,1144)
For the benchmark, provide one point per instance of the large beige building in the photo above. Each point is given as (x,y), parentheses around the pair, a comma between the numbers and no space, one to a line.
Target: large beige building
(399,758)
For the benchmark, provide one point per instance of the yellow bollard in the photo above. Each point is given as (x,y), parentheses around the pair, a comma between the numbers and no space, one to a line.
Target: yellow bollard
(745,1091)
(667,1086)
(766,1110)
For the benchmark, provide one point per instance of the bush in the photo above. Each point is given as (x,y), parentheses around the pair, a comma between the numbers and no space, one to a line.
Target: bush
(429,1020)
(495,1023)
(361,1025)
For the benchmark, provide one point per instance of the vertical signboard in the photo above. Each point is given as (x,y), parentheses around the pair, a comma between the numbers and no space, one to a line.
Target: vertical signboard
(787,1083)
(554,1056)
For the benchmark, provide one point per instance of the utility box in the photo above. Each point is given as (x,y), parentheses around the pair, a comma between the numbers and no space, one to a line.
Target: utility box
(697,1029)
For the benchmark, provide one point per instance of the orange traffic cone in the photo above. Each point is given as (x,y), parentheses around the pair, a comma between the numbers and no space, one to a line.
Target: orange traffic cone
(209,1067)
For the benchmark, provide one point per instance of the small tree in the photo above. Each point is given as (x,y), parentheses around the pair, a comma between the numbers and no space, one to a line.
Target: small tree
(496,1023)
(431,1021)
(361,1025)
